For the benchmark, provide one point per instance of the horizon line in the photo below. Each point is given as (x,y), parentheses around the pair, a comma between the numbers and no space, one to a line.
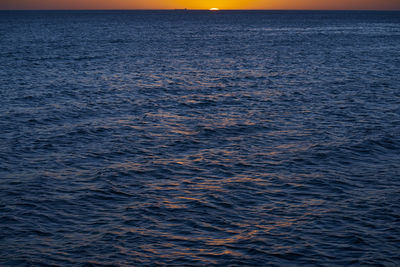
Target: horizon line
(193,9)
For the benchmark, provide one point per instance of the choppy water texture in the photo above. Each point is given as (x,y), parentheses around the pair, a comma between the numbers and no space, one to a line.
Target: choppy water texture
(199,138)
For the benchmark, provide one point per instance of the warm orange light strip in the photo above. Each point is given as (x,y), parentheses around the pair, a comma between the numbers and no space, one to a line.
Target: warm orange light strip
(199,4)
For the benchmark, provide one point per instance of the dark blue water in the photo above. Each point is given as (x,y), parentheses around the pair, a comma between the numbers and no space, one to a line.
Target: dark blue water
(199,138)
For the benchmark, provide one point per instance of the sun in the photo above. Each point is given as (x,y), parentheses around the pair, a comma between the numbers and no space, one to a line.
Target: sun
(214,9)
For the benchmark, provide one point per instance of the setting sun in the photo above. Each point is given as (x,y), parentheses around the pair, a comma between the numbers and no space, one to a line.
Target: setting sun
(203,5)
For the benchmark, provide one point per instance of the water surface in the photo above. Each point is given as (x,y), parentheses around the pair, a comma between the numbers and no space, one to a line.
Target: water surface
(199,138)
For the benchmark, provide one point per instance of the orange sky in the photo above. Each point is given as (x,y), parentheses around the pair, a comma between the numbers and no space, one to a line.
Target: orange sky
(199,4)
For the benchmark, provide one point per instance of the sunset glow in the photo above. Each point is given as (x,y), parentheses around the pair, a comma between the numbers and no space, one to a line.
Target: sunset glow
(196,4)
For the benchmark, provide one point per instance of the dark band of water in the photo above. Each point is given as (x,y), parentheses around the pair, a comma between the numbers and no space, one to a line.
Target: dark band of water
(199,138)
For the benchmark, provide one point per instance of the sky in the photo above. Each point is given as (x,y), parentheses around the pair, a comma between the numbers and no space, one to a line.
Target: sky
(202,4)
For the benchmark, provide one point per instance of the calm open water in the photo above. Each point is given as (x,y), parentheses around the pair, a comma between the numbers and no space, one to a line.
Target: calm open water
(199,138)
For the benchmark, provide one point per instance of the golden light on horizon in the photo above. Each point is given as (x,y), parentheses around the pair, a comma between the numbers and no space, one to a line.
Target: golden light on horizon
(214,9)
(204,4)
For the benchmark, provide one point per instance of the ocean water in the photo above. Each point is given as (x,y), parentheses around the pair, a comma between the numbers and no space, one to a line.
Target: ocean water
(231,138)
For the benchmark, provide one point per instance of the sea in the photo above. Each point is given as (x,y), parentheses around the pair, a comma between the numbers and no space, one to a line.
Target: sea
(199,138)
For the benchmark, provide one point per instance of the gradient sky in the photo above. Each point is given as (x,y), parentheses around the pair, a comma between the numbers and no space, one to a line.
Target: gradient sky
(201,4)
